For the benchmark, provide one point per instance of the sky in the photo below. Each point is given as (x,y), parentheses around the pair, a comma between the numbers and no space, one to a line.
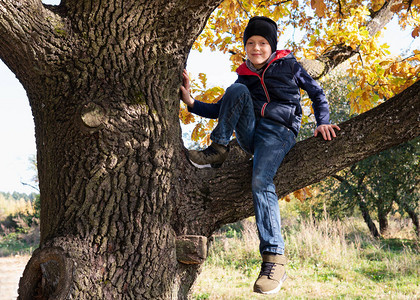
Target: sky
(17,137)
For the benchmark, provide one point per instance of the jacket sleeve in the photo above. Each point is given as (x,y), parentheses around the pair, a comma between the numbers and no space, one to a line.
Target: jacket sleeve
(315,92)
(206,110)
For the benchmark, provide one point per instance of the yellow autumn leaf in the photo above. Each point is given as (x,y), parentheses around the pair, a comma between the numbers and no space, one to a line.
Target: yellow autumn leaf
(416,32)
(378,76)
(185,116)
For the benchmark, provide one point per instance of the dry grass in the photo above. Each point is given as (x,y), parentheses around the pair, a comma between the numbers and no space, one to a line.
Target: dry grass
(327,260)
(14,207)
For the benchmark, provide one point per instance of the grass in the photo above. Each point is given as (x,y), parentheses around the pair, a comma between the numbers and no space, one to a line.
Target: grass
(19,243)
(19,229)
(327,260)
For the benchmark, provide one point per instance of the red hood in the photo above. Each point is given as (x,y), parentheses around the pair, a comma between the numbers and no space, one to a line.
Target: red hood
(244,70)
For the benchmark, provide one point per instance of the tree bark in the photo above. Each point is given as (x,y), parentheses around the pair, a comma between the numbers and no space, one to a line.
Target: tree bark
(383,218)
(366,216)
(103,79)
(118,193)
(411,213)
(361,203)
(415,219)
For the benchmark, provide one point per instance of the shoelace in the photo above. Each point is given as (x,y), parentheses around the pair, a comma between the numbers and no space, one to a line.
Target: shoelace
(266,268)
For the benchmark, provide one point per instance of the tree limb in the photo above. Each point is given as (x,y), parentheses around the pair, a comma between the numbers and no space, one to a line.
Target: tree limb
(338,177)
(332,58)
(226,192)
(28,45)
(14,30)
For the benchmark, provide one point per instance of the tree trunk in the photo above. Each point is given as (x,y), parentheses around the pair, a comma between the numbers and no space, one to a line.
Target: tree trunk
(384,208)
(383,219)
(366,216)
(124,215)
(361,202)
(411,213)
(415,219)
(103,90)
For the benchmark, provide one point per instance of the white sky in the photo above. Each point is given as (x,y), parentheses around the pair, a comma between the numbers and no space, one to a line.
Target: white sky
(17,140)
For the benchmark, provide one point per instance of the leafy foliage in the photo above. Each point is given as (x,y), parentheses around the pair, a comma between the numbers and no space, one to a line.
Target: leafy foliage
(388,182)
(320,25)
(203,93)
(19,222)
(18,213)
(384,180)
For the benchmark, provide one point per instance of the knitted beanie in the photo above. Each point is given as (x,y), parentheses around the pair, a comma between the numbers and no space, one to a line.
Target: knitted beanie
(264,27)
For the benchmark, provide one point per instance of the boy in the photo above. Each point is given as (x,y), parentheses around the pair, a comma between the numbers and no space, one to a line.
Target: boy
(263,107)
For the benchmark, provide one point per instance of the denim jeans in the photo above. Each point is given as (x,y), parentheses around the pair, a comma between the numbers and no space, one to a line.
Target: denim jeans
(269,142)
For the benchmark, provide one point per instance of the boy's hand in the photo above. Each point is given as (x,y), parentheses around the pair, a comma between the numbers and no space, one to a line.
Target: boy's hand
(327,131)
(185,90)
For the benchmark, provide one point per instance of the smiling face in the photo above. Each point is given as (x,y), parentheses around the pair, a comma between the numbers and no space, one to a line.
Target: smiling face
(258,50)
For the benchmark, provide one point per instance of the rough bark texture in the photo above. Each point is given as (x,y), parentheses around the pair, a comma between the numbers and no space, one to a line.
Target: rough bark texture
(102,78)
(117,190)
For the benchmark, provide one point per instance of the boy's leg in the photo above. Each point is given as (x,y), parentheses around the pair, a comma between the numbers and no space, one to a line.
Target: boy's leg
(272,142)
(236,113)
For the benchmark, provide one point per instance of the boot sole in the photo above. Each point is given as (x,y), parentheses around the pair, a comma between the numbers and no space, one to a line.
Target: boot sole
(215,166)
(276,290)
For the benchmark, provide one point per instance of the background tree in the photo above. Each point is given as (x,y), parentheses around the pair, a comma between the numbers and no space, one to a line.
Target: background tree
(121,205)
(380,182)
(374,185)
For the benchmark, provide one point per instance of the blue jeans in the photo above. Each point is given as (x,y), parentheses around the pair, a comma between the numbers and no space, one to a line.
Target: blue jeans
(269,142)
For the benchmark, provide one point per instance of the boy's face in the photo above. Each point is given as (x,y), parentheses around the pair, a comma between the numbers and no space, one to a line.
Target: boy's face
(258,50)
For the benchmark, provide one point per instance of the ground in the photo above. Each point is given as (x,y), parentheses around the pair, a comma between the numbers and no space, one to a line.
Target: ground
(11,269)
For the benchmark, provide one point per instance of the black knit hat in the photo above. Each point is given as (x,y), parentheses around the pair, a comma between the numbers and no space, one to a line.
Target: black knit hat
(264,27)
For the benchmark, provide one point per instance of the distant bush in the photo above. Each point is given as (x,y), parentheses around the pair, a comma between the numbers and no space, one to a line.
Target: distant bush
(19,223)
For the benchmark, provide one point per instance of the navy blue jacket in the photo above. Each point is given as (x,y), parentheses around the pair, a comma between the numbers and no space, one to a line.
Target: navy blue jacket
(276,93)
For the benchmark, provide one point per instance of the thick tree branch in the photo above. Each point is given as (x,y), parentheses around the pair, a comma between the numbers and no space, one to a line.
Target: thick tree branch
(336,55)
(33,47)
(226,192)
(15,31)
(338,177)
(381,17)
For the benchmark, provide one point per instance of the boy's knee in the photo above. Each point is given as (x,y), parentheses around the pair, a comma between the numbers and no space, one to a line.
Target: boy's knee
(262,181)
(259,183)
(238,88)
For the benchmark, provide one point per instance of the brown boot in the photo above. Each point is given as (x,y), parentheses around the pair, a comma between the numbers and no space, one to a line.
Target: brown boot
(272,274)
(213,156)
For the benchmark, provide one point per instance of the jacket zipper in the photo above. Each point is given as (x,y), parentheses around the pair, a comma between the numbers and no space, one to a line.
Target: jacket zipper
(265,91)
(285,53)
